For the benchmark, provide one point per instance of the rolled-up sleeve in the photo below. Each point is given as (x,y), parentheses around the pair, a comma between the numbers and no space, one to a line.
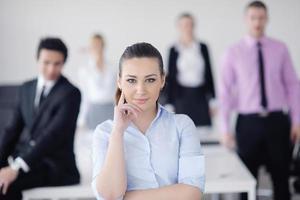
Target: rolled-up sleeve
(99,149)
(191,159)
(292,87)
(227,97)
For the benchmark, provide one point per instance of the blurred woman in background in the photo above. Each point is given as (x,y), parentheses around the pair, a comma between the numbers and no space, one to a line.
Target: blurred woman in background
(97,81)
(190,85)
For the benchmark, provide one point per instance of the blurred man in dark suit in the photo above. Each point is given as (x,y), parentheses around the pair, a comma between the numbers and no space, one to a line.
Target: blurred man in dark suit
(37,146)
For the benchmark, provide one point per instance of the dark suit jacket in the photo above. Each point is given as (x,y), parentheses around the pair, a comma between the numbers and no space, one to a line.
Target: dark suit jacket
(45,137)
(173,89)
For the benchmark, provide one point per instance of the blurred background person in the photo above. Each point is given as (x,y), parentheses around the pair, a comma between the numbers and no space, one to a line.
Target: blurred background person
(97,82)
(259,82)
(190,84)
(37,146)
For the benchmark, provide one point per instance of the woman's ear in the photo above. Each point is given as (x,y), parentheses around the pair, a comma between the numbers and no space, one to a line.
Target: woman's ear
(163,78)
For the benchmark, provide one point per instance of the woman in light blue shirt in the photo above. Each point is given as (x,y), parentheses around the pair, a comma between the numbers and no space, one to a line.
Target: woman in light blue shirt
(146,152)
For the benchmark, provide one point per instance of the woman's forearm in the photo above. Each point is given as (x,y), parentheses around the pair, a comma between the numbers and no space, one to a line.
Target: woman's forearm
(172,192)
(111,182)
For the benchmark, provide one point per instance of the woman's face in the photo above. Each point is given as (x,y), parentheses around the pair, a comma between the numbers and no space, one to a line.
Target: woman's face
(96,47)
(186,28)
(141,82)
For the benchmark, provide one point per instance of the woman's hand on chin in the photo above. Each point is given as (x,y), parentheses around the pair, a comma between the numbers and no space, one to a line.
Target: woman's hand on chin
(124,113)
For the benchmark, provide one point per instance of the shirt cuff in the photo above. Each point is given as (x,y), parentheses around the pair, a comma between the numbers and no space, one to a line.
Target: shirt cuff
(18,164)
(23,164)
(224,127)
(213,103)
(295,119)
(192,171)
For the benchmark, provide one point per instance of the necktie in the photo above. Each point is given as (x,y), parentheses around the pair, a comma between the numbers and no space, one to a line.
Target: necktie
(43,96)
(263,100)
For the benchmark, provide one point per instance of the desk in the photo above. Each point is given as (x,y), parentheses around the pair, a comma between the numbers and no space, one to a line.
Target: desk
(225,172)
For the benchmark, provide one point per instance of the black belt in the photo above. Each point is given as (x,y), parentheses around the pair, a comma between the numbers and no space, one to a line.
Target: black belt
(264,114)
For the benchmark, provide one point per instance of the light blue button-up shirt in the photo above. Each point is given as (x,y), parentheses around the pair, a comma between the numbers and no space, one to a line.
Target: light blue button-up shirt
(168,153)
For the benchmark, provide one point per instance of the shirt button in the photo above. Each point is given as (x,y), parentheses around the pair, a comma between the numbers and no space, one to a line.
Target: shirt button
(32,143)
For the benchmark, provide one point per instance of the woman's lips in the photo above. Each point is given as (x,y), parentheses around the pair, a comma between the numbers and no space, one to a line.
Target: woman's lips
(140,101)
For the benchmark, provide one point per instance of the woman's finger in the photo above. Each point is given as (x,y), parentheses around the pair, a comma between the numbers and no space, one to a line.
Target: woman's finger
(130,108)
(139,110)
(121,100)
(127,110)
(135,106)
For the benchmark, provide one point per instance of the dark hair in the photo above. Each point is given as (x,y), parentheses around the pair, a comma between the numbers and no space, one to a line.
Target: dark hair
(55,44)
(99,37)
(186,15)
(139,50)
(256,4)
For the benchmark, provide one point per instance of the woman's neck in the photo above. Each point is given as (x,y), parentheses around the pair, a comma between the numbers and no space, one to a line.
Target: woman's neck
(145,119)
(186,41)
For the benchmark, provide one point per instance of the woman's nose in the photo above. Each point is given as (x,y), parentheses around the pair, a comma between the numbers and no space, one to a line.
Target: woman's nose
(140,88)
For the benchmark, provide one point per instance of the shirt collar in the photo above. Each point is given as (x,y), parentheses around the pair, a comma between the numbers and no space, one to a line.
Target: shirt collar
(251,41)
(43,82)
(179,47)
(160,110)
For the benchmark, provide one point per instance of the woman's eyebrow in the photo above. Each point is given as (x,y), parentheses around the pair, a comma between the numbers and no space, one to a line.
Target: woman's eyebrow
(147,76)
(132,76)
(150,75)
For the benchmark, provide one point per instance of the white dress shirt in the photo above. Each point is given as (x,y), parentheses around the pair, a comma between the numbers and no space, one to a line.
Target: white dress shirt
(42,82)
(190,65)
(168,153)
(97,87)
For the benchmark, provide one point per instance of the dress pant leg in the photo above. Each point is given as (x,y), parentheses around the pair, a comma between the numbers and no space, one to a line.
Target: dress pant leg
(250,143)
(278,159)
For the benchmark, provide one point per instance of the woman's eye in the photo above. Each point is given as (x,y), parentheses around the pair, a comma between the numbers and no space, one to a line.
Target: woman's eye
(150,80)
(131,80)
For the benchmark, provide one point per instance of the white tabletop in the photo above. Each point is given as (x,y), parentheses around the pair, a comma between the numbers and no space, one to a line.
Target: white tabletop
(225,172)
(208,135)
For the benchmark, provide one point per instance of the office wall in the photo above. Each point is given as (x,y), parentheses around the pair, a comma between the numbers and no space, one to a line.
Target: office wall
(219,23)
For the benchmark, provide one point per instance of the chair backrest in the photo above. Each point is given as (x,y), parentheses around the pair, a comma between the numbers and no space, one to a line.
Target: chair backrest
(8,102)
(97,113)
